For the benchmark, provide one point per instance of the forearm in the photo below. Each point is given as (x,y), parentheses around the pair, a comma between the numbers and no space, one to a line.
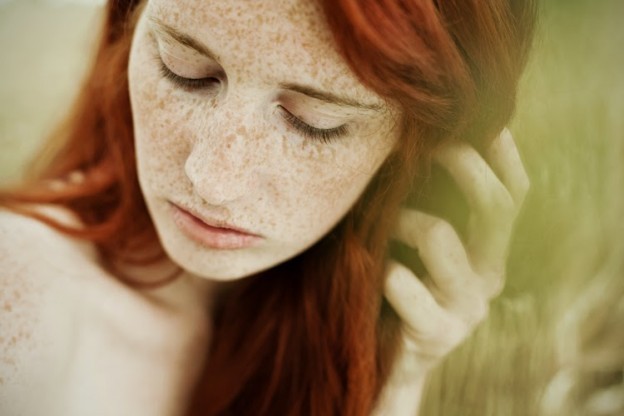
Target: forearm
(400,398)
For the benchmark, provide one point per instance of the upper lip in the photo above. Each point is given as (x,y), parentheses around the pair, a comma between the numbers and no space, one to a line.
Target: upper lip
(214,222)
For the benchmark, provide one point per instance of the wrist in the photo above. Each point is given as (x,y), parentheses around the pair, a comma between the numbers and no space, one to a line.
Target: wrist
(401,398)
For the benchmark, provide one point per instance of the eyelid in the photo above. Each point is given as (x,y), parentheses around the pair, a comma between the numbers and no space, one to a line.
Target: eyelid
(190,83)
(173,76)
(177,79)
(315,133)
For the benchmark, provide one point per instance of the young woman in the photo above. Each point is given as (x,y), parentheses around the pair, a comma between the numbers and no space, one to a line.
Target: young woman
(212,233)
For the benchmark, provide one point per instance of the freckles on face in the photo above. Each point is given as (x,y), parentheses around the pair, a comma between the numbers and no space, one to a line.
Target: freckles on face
(244,112)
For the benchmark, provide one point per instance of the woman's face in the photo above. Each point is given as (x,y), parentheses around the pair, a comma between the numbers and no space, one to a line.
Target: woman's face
(246,117)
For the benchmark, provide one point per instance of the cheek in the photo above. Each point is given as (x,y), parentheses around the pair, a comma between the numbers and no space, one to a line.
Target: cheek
(159,123)
(317,195)
(326,188)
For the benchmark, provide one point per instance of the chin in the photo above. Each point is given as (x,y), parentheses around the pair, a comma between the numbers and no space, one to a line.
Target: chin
(220,265)
(216,266)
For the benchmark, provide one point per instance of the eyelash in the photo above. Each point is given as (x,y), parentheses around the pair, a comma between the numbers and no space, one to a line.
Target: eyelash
(188,83)
(314,133)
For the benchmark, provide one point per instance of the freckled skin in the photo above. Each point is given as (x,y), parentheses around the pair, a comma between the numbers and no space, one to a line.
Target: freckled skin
(227,151)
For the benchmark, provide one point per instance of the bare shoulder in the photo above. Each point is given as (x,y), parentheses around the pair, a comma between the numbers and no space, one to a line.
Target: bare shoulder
(69,330)
(23,237)
(35,258)
(33,335)
(30,249)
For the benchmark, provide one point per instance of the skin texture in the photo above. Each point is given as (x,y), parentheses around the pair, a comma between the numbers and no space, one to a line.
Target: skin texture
(80,341)
(230,151)
(441,309)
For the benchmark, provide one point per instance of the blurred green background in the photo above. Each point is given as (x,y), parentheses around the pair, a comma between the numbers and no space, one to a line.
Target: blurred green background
(44,48)
(569,127)
(569,123)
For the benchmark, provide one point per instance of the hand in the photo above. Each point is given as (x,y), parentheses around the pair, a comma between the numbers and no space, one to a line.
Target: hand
(439,310)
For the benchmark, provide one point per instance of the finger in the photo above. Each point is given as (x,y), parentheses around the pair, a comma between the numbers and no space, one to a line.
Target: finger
(411,300)
(484,191)
(428,329)
(442,253)
(505,160)
(493,210)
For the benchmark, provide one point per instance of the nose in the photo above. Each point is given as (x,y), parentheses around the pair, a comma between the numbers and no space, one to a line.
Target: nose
(221,166)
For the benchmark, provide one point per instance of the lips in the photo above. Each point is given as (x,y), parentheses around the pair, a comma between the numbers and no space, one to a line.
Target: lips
(212,233)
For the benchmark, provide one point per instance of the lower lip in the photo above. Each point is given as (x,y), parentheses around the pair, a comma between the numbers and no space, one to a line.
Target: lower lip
(211,237)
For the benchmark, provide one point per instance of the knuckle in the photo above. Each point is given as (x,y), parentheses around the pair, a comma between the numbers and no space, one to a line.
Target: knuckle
(474,309)
(437,339)
(502,203)
(479,312)
(397,271)
(524,184)
(489,285)
(396,274)
(453,335)
(437,230)
(410,343)
(495,287)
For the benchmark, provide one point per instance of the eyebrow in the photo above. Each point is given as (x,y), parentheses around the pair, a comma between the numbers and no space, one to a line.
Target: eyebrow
(326,97)
(183,38)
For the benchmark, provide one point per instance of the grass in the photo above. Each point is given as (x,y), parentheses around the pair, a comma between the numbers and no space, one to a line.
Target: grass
(570,128)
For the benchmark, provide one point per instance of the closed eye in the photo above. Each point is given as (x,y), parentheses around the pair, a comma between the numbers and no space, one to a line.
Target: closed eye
(314,133)
(186,83)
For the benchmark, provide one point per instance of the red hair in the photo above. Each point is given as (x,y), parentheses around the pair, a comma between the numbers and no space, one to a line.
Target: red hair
(313,335)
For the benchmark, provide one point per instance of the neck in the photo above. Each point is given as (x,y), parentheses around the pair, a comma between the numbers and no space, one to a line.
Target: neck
(164,283)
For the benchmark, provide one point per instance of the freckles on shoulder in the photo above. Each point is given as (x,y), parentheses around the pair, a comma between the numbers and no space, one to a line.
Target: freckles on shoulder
(21,291)
(29,284)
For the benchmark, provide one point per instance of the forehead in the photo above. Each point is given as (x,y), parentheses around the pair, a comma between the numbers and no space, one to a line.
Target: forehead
(275,41)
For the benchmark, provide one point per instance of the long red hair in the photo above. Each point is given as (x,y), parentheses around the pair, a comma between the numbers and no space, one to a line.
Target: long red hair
(312,336)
